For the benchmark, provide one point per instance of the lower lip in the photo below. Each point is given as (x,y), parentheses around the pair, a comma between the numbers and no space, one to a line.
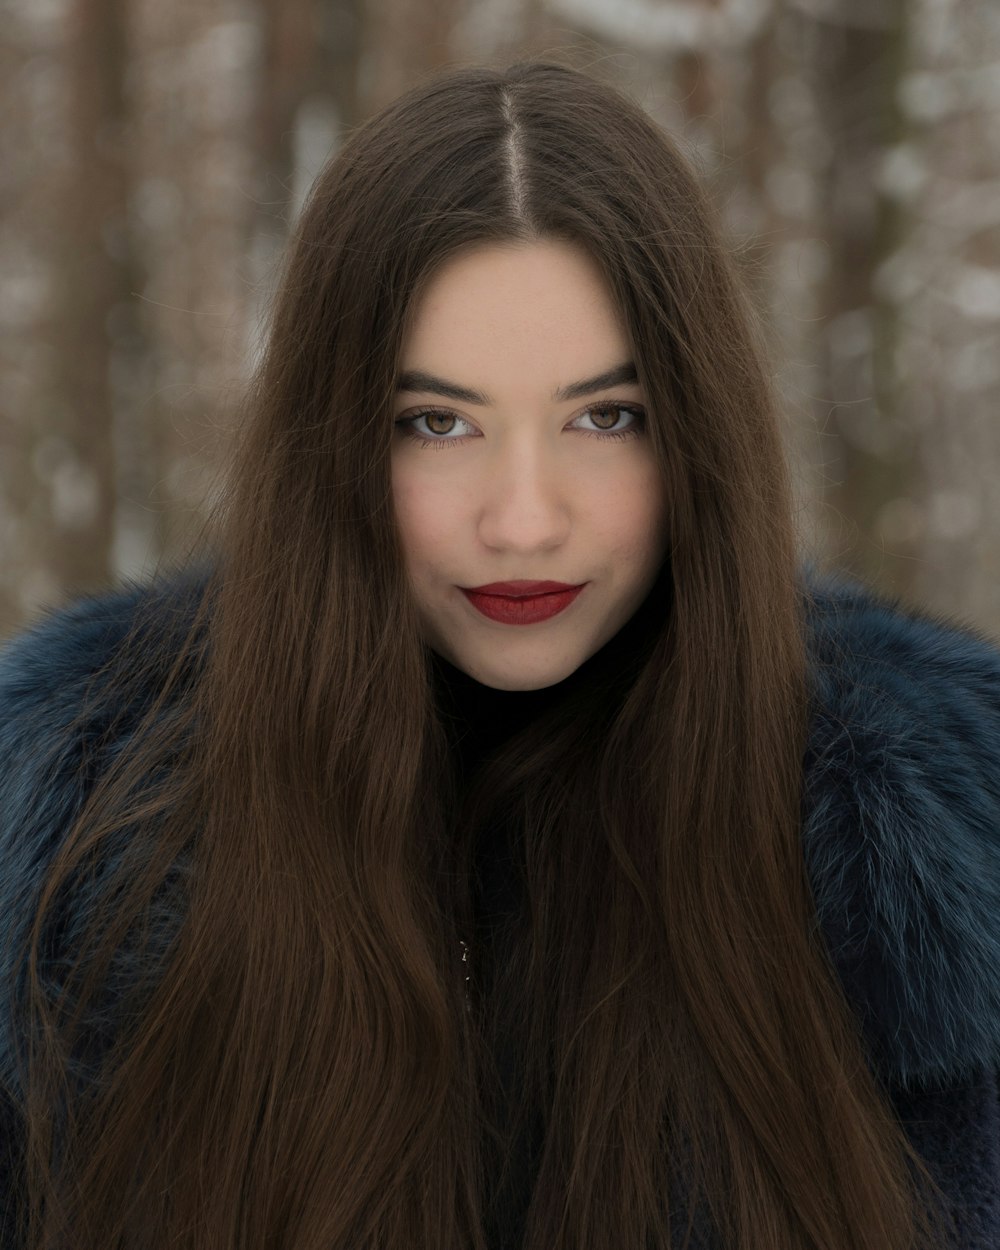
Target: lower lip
(523,611)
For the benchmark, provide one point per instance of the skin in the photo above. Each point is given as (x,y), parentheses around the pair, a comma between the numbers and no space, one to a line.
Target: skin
(527,486)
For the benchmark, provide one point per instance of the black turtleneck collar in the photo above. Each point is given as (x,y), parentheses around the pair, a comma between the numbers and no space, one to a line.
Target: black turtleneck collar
(482,717)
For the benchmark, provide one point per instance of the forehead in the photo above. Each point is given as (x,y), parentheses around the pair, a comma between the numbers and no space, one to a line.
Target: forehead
(542,307)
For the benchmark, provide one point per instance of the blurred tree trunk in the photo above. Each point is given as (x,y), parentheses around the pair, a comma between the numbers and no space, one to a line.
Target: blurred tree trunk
(307,95)
(94,274)
(774,205)
(287,73)
(26,357)
(948,277)
(401,41)
(859,57)
(195,71)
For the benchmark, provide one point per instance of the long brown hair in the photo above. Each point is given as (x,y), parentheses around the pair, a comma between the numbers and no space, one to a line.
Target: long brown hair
(295,1066)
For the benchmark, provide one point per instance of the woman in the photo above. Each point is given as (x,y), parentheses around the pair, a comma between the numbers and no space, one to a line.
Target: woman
(361,898)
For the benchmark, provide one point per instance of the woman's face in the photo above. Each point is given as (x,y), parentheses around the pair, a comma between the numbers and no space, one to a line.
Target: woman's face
(520,453)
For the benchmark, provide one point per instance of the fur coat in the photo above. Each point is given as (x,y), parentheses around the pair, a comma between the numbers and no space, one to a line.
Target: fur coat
(900,833)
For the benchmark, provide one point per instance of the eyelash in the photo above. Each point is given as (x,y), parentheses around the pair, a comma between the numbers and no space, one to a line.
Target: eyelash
(406,424)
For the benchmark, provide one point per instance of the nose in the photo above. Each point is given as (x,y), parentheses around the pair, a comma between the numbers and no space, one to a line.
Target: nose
(526,500)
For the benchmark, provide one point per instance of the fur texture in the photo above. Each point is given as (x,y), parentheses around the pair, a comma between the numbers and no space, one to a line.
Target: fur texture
(901,807)
(901,829)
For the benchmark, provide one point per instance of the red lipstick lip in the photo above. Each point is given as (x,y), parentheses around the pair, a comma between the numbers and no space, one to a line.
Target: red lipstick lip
(521,589)
(523,609)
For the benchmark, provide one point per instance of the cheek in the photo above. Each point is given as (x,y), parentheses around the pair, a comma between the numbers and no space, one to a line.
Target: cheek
(425,516)
(635,518)
(406,505)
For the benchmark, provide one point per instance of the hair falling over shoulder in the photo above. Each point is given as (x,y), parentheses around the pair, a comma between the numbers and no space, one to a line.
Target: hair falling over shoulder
(299,1073)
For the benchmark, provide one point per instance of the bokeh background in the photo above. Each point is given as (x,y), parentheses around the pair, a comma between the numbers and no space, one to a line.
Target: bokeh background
(153,154)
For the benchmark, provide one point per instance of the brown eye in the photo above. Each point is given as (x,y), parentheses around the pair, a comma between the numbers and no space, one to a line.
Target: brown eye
(440,427)
(606,418)
(433,419)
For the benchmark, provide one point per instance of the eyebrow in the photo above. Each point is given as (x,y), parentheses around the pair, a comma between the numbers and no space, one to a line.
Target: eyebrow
(429,384)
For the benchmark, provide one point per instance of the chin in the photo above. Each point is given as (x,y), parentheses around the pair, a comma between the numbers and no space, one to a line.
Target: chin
(540,679)
(513,684)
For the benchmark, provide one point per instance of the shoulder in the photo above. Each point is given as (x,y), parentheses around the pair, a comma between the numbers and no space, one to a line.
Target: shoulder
(73,686)
(67,679)
(46,666)
(901,825)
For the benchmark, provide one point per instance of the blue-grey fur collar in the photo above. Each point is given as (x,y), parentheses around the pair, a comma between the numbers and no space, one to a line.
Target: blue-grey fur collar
(901,828)
(901,806)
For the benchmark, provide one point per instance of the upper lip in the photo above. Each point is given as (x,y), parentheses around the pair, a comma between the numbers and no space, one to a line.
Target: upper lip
(521,589)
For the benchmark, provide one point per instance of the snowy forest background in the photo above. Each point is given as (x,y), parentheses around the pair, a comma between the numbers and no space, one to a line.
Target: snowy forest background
(154,152)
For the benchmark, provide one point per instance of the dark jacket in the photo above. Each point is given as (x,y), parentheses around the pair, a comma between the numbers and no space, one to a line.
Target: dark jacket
(900,834)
